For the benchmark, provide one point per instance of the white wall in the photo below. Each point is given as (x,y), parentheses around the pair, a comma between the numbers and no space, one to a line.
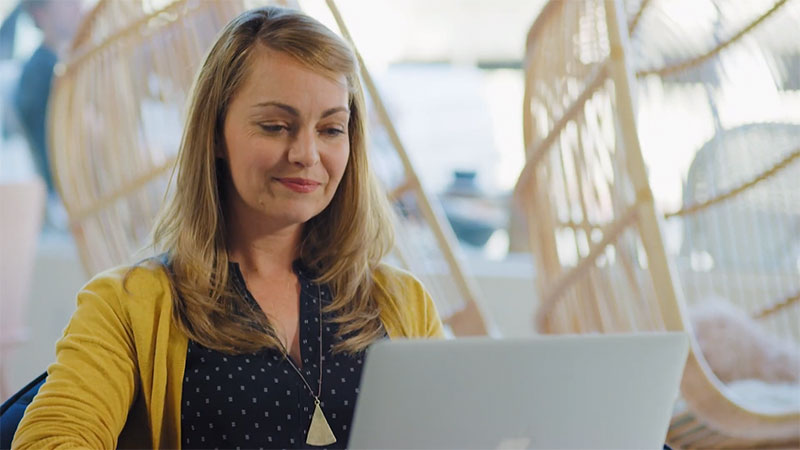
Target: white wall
(57,277)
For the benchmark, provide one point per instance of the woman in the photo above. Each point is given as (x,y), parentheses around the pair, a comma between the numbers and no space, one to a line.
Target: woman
(249,331)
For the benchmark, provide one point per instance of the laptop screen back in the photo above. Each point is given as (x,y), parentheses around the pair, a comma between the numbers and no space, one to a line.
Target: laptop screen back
(598,391)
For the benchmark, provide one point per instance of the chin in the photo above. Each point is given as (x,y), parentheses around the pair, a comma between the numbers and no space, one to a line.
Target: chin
(297,217)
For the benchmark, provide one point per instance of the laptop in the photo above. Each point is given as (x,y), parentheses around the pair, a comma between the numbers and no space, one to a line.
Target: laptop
(548,392)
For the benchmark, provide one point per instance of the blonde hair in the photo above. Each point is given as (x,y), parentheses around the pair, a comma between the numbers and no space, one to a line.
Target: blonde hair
(344,244)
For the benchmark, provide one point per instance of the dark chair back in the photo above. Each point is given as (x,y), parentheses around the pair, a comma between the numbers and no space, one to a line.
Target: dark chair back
(12,410)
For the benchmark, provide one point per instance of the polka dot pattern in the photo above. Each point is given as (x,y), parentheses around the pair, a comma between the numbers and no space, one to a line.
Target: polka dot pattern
(258,400)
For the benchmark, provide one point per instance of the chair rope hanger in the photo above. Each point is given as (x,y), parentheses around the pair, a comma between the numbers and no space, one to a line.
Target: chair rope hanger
(593,225)
(129,70)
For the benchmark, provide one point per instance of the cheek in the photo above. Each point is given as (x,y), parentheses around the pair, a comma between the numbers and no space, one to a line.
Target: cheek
(248,155)
(336,162)
(341,164)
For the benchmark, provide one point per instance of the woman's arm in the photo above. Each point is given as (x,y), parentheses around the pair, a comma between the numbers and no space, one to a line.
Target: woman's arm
(92,384)
(433,324)
(408,309)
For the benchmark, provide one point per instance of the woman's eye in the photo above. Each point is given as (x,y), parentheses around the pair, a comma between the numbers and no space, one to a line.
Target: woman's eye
(273,128)
(332,132)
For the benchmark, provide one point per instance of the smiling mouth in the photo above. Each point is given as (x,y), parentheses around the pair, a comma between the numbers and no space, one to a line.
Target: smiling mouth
(300,185)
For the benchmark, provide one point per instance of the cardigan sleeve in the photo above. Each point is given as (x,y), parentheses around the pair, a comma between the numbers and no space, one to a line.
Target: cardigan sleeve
(433,324)
(91,386)
(408,310)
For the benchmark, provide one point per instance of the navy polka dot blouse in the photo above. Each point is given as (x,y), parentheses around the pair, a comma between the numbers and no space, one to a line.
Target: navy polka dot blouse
(257,400)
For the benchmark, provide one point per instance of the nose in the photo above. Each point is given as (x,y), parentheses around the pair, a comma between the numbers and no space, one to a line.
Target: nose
(303,151)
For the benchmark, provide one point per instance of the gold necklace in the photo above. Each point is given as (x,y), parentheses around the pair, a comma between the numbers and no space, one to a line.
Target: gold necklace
(319,432)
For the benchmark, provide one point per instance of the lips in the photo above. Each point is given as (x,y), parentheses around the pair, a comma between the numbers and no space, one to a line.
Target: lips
(300,185)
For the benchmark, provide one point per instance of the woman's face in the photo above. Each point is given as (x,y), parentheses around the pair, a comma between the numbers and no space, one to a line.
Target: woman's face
(286,141)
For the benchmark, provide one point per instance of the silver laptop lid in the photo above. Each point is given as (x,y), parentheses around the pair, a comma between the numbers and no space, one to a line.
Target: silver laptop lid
(584,391)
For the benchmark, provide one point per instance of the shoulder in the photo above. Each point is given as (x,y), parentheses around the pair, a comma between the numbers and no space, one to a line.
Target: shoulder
(141,287)
(142,279)
(393,278)
(407,309)
(401,288)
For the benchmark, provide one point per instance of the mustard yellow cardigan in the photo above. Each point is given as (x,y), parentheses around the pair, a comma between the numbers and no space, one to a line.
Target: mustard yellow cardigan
(118,374)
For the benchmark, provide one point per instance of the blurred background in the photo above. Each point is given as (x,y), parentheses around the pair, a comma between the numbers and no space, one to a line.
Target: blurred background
(454,95)
(500,136)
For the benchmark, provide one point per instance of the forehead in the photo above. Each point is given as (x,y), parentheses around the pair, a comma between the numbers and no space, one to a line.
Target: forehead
(277,76)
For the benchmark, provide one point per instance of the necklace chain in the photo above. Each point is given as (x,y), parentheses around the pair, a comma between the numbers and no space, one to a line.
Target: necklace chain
(286,351)
(288,358)
(319,432)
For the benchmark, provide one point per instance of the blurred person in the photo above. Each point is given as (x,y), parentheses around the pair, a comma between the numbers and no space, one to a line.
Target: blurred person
(58,21)
(250,329)
(8,30)
(9,76)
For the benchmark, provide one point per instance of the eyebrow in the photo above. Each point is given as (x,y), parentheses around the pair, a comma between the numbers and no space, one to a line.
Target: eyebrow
(294,112)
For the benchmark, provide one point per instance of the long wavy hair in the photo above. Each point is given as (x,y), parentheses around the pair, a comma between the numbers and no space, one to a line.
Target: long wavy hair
(344,244)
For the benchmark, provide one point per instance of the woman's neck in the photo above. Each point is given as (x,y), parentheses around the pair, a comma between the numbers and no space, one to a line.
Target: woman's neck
(264,252)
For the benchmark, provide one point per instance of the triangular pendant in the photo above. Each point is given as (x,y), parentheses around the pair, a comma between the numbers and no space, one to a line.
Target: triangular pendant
(319,433)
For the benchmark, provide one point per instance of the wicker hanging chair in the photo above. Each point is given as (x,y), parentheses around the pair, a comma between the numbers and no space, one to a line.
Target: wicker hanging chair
(117,112)
(593,225)
(745,248)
